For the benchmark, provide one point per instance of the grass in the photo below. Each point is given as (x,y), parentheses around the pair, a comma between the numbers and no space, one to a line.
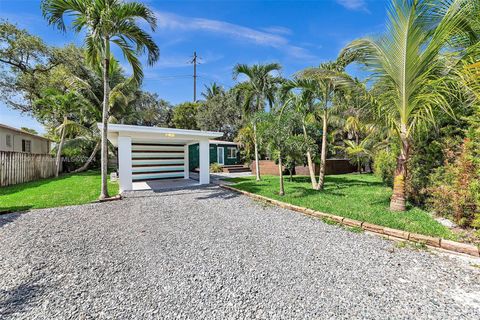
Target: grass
(357,196)
(67,189)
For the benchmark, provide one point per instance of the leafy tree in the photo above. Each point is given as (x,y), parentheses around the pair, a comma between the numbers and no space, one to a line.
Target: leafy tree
(107,22)
(185,116)
(29,130)
(260,87)
(408,60)
(25,63)
(147,109)
(220,113)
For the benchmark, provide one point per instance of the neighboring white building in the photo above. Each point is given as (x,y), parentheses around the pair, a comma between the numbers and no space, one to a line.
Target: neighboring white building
(13,139)
(154,153)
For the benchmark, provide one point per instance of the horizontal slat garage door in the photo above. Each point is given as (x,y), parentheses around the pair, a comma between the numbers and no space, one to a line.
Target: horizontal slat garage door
(152,161)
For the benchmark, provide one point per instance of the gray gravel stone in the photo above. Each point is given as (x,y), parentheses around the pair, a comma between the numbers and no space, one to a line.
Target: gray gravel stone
(207,253)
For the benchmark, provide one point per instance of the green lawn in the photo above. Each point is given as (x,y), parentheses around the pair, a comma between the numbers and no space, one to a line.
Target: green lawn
(361,197)
(68,189)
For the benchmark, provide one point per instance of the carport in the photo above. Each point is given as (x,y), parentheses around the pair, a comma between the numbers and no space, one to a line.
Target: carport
(149,154)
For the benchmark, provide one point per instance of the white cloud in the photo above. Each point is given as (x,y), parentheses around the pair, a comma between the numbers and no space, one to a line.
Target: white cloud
(278,30)
(170,21)
(353,4)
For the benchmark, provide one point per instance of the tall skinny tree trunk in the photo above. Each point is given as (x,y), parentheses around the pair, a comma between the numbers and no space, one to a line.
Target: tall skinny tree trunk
(257,165)
(323,157)
(280,171)
(89,160)
(398,201)
(311,168)
(60,147)
(106,93)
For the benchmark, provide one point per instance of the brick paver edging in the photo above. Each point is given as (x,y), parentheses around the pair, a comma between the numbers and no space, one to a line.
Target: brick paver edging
(393,234)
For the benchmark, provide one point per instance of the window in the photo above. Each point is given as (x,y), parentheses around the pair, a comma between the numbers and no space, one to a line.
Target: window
(26,146)
(232,152)
(9,140)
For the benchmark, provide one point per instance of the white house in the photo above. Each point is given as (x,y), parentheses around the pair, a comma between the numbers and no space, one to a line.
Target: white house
(152,153)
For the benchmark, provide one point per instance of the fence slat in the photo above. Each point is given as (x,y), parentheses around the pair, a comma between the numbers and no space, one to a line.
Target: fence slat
(19,167)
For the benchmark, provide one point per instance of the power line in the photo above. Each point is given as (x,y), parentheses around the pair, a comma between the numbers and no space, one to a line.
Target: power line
(217,81)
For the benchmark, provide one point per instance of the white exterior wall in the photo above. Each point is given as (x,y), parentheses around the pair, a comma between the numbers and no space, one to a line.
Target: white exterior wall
(142,161)
(186,170)
(125,163)
(204,161)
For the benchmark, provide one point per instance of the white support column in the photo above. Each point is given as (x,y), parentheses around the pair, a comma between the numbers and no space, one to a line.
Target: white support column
(186,170)
(125,163)
(204,157)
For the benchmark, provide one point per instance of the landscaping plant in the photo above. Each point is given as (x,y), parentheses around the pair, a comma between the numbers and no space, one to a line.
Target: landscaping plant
(409,60)
(107,22)
(260,87)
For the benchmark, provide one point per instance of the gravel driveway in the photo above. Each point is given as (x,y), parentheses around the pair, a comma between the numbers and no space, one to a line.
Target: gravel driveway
(207,253)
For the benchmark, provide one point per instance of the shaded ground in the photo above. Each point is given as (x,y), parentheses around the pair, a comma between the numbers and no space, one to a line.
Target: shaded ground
(209,253)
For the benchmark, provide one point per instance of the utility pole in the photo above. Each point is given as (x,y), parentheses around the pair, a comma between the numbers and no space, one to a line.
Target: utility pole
(194,61)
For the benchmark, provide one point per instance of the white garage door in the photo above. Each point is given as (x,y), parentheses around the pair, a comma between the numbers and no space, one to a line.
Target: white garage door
(152,161)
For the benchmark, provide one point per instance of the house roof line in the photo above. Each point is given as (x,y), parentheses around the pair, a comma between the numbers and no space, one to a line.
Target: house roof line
(160,130)
(224,142)
(23,132)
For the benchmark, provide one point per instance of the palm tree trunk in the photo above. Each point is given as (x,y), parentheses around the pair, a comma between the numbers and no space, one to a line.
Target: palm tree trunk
(106,93)
(311,168)
(280,171)
(60,147)
(90,159)
(323,157)
(398,201)
(257,166)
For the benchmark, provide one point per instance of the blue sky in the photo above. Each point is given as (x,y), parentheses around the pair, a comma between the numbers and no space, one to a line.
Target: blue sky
(296,34)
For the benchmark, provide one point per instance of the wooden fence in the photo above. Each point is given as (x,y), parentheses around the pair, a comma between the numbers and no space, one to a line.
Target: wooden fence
(18,167)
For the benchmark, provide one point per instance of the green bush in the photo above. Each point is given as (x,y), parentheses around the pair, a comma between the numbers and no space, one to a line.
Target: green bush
(384,164)
(215,168)
(455,190)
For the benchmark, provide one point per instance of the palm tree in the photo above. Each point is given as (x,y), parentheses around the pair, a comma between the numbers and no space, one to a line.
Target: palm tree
(107,22)
(121,95)
(330,79)
(303,103)
(408,60)
(211,91)
(260,87)
(64,109)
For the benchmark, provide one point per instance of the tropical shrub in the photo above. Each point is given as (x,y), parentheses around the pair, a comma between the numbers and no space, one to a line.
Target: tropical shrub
(384,164)
(455,190)
(215,168)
